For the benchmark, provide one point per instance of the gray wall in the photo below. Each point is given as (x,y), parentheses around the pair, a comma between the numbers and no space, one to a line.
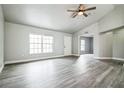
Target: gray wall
(112,20)
(1,38)
(92,29)
(88,45)
(102,43)
(17,42)
(91,45)
(111,42)
(106,44)
(118,43)
(16,46)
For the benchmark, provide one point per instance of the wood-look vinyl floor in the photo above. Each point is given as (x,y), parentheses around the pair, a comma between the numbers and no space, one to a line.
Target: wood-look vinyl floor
(65,72)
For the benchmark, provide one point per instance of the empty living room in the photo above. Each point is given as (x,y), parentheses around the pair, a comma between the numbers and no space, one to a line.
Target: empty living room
(61,45)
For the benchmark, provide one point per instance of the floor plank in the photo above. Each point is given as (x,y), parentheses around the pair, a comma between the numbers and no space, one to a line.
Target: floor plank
(65,72)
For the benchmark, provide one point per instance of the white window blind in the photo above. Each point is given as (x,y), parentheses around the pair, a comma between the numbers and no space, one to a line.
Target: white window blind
(40,44)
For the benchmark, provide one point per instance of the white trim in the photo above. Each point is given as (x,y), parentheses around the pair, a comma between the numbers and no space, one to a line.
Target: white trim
(34,59)
(114,58)
(103,57)
(75,55)
(79,42)
(121,59)
(1,68)
(28,60)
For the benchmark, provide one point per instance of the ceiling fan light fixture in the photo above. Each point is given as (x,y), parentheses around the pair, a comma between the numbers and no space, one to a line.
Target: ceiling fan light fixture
(80,13)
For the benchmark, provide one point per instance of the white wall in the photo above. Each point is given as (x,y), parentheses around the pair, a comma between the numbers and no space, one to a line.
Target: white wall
(93,29)
(106,44)
(102,43)
(17,42)
(112,20)
(1,38)
(16,46)
(111,42)
(118,43)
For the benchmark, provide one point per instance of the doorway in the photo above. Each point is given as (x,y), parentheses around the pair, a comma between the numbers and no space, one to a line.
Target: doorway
(86,45)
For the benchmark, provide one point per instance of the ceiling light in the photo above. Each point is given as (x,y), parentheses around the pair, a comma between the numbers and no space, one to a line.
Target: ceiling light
(80,13)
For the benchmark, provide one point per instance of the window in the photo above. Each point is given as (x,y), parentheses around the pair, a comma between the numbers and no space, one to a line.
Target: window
(47,44)
(82,45)
(35,44)
(40,44)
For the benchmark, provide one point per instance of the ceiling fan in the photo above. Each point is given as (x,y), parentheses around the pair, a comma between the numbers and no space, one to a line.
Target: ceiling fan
(81,11)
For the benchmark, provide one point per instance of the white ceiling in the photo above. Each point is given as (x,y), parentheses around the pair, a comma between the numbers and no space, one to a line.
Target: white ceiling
(53,16)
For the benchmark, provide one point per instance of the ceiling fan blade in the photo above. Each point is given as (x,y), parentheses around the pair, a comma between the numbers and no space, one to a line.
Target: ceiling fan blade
(72,10)
(92,8)
(85,14)
(74,15)
(81,7)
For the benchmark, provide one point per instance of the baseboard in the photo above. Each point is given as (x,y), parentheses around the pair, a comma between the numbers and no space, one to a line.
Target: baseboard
(34,59)
(1,68)
(103,57)
(28,60)
(120,59)
(75,55)
(114,58)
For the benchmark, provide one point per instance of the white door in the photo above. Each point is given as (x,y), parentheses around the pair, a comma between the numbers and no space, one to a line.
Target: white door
(67,45)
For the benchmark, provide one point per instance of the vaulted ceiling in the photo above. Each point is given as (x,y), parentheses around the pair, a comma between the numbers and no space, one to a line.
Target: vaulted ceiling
(53,16)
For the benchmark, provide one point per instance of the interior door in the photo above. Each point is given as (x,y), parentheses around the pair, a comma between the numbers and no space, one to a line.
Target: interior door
(67,45)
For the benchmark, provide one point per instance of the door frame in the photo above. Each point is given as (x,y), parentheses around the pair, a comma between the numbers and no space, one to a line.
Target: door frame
(79,43)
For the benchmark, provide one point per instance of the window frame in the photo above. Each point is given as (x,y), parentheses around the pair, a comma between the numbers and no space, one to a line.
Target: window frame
(52,44)
(41,43)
